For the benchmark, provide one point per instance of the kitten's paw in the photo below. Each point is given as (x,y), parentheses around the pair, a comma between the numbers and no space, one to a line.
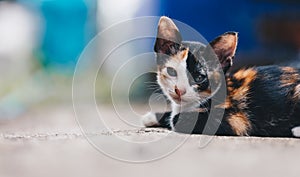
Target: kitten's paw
(296,131)
(149,120)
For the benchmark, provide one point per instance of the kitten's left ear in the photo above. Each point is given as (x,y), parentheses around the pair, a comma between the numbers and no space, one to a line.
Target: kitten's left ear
(224,46)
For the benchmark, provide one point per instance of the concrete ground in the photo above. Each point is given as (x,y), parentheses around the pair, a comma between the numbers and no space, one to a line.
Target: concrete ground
(48,142)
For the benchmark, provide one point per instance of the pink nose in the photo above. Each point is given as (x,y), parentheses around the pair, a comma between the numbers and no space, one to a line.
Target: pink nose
(179,92)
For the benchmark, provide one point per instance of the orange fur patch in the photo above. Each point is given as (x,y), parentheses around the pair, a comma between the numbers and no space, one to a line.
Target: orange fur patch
(181,55)
(208,91)
(229,85)
(216,77)
(239,123)
(290,76)
(201,110)
(225,105)
(296,95)
(246,77)
(161,75)
(184,54)
(240,93)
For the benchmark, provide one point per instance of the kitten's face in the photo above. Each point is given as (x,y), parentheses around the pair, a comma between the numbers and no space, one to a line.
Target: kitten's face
(181,69)
(183,79)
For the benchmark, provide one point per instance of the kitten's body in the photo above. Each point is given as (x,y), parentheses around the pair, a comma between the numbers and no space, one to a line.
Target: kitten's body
(260,101)
(265,99)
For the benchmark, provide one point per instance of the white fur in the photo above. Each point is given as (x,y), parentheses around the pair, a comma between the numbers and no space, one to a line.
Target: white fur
(296,131)
(181,81)
(175,110)
(190,99)
(149,120)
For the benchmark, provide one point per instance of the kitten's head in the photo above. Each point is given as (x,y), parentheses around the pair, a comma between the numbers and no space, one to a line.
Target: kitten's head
(182,67)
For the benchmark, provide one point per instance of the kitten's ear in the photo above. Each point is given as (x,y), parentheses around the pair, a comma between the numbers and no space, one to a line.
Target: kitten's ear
(168,37)
(224,47)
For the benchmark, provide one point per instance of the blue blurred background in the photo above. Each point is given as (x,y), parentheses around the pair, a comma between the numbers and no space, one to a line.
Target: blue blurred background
(269,31)
(41,40)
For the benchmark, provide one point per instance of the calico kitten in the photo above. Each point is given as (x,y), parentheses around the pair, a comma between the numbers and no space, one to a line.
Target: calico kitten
(260,101)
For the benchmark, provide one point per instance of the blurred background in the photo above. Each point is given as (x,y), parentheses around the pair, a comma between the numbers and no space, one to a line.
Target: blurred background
(41,40)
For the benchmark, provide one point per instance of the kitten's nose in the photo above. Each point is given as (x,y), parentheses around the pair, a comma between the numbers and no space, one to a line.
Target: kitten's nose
(179,92)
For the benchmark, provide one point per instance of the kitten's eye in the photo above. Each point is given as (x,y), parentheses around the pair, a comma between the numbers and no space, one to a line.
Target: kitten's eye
(199,79)
(171,71)
(202,83)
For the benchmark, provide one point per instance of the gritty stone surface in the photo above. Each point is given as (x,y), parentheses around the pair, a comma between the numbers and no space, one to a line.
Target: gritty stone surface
(48,142)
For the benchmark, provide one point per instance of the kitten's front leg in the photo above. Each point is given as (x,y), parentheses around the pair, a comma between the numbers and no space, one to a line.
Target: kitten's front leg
(296,131)
(175,111)
(165,120)
(186,121)
(157,120)
(189,122)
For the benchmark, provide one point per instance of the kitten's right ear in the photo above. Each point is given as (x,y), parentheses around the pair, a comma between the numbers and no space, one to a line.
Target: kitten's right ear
(168,37)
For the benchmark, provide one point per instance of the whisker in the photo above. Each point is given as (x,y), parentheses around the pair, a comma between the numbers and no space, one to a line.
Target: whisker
(150,82)
(152,86)
(157,97)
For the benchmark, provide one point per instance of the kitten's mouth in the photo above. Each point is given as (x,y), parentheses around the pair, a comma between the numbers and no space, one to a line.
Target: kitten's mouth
(178,99)
(182,100)
(175,97)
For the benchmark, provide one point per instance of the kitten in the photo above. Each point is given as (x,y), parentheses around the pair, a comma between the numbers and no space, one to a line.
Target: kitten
(260,101)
